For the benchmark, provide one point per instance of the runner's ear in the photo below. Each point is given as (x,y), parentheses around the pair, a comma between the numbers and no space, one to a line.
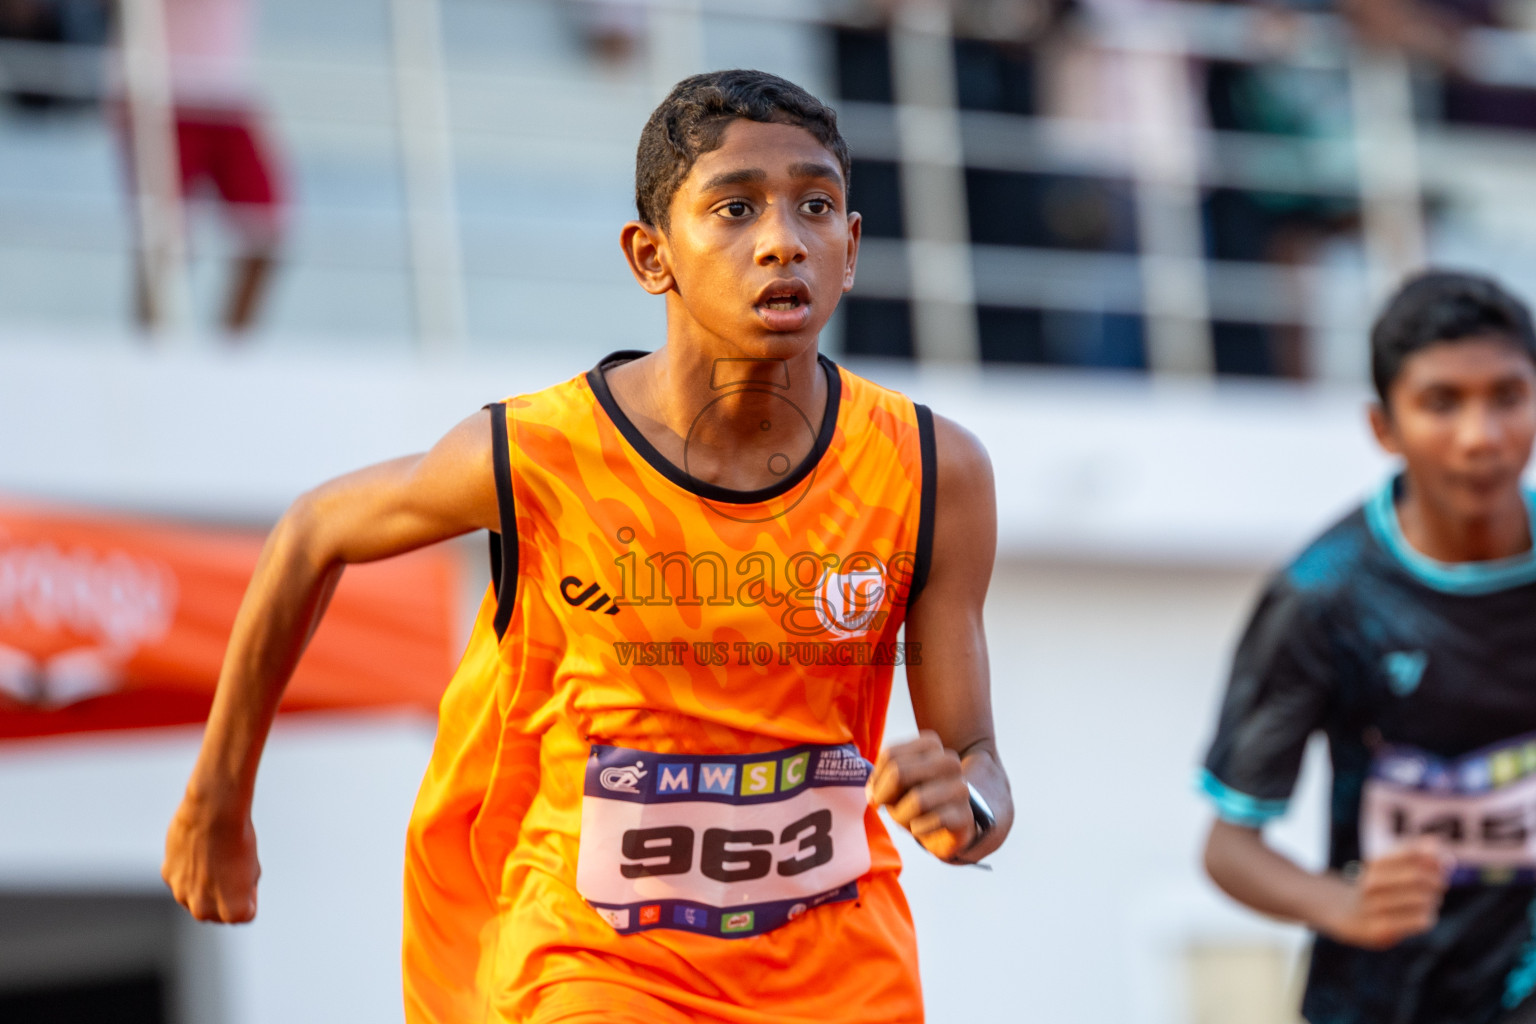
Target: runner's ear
(646,250)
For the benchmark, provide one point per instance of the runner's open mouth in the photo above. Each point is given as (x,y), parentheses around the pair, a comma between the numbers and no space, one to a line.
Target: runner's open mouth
(785,296)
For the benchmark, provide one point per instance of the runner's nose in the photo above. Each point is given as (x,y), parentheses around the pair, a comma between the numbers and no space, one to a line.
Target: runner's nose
(779,241)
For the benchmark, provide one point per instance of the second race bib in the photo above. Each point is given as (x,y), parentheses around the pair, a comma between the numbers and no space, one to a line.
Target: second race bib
(1482,806)
(729,846)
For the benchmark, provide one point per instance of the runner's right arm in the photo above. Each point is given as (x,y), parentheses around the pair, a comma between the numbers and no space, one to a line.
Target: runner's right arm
(1280,692)
(384,510)
(1395,897)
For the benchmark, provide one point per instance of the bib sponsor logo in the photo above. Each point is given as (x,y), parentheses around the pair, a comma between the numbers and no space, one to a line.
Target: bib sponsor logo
(650,913)
(741,922)
(618,918)
(690,917)
(841,765)
(796,911)
(623,780)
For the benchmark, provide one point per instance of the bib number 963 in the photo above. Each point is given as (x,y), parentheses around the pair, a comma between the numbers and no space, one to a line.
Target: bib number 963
(727,855)
(758,834)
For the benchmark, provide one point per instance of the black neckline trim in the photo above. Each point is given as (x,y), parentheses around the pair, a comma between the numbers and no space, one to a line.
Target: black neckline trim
(708,491)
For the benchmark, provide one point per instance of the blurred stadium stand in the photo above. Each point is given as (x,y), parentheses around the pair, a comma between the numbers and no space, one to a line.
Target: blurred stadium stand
(1181,188)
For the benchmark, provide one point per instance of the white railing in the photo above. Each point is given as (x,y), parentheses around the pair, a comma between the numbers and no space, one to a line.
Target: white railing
(1163,152)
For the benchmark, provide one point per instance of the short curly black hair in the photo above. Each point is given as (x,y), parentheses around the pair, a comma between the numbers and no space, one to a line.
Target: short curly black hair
(1444,305)
(692,120)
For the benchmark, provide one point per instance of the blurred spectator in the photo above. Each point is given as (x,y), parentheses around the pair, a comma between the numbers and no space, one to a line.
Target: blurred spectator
(612,30)
(1428,29)
(1436,31)
(221,142)
(1284,228)
(1006,62)
(1288,228)
(1077,79)
(59,83)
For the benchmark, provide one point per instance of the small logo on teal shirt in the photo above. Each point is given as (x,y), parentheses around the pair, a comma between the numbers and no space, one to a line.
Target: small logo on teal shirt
(1404,671)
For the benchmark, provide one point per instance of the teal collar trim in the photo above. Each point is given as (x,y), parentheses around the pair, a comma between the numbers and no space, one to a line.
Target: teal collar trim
(1467,578)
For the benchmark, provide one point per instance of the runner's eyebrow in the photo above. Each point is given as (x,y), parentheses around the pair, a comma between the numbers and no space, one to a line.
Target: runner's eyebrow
(816,169)
(756,175)
(746,176)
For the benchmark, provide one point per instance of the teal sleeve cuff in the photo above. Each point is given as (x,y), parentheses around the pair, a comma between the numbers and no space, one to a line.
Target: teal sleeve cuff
(1238,808)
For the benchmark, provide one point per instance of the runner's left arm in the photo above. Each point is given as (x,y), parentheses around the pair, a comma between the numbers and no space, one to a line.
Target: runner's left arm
(923,781)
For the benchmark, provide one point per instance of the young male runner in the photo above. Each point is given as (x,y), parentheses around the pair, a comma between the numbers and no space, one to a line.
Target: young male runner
(1407,634)
(649,799)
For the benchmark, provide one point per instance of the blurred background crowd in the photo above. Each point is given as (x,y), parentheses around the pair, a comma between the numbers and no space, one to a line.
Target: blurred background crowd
(1134,244)
(1196,188)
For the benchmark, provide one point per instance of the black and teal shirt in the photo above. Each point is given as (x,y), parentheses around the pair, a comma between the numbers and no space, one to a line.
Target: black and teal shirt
(1422,675)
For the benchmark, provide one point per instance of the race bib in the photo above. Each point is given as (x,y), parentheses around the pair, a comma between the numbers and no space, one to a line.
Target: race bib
(1482,806)
(729,846)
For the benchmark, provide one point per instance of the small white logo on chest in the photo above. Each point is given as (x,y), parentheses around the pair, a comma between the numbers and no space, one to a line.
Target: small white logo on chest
(847,602)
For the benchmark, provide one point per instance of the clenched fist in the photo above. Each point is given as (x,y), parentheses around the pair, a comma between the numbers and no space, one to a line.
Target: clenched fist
(210,861)
(1396,897)
(923,786)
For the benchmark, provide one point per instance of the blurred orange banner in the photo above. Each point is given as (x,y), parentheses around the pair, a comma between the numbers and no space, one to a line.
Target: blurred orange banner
(117,623)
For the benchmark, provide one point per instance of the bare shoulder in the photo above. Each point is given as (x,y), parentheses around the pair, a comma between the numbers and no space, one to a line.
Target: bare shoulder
(460,470)
(963,463)
(469,442)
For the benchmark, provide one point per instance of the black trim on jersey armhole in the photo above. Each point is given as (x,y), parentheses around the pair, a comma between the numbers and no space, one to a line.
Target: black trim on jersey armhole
(925,504)
(503,544)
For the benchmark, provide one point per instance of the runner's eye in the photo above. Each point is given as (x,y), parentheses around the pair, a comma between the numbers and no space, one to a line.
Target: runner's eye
(818,206)
(1509,396)
(1439,400)
(735,209)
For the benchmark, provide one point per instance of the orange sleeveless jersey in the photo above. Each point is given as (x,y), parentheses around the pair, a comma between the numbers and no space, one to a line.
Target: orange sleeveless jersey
(661,659)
